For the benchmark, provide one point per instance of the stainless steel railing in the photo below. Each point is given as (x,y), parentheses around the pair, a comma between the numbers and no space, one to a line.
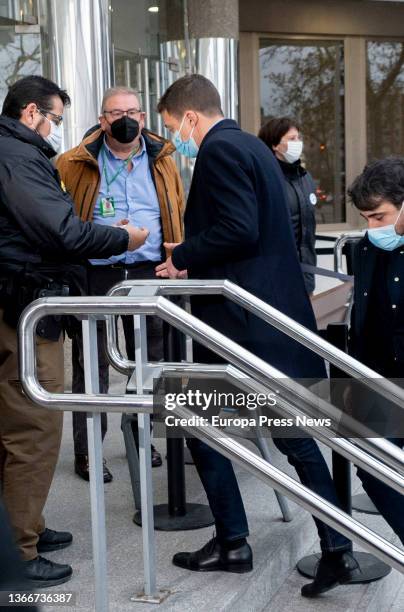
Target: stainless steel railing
(300,494)
(93,403)
(340,242)
(287,408)
(245,361)
(257,368)
(274,317)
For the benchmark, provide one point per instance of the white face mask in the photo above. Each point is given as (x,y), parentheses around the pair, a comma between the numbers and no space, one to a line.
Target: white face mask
(55,136)
(294,151)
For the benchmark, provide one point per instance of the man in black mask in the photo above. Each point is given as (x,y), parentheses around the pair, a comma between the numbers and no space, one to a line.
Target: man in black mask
(120,172)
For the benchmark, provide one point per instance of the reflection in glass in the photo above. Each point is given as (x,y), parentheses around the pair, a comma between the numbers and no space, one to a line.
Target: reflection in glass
(25,11)
(20,55)
(137,34)
(305,80)
(385,99)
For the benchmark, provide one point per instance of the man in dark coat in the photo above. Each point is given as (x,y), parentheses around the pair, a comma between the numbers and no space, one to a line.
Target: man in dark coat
(237,227)
(377,326)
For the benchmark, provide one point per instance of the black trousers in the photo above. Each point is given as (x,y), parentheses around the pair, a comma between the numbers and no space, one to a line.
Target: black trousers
(100,281)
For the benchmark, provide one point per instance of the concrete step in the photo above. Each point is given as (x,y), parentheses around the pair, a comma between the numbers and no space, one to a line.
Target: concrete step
(380,596)
(273,585)
(398,603)
(277,545)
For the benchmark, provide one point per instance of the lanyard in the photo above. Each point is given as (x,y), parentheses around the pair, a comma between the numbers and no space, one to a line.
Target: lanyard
(124,165)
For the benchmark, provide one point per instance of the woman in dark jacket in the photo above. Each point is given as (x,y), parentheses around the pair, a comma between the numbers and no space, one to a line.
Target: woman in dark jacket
(281,135)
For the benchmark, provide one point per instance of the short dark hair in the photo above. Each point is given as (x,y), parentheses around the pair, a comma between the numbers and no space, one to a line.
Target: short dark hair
(32,89)
(275,129)
(382,179)
(193,92)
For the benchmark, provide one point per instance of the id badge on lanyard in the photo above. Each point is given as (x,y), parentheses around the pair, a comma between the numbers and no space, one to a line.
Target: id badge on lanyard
(107,203)
(107,207)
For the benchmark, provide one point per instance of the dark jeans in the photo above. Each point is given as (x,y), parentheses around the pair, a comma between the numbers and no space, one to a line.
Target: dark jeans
(101,279)
(389,502)
(218,478)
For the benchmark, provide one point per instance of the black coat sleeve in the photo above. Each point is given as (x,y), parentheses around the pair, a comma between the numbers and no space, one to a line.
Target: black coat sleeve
(229,193)
(308,245)
(44,214)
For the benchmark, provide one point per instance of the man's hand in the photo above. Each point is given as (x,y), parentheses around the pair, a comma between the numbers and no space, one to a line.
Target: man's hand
(137,236)
(121,222)
(167,269)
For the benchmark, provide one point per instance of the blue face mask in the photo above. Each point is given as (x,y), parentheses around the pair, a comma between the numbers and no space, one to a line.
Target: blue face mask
(188,148)
(385,238)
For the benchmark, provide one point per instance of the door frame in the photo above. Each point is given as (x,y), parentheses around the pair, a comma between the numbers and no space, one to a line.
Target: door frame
(354,104)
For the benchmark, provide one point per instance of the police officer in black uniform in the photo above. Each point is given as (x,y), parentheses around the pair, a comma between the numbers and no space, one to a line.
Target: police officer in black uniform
(39,237)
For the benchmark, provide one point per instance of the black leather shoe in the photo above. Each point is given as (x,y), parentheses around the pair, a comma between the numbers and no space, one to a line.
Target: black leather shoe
(330,573)
(53,540)
(42,573)
(156,459)
(214,557)
(82,469)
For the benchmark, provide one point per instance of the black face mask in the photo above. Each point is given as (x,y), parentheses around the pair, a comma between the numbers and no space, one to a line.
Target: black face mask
(125,130)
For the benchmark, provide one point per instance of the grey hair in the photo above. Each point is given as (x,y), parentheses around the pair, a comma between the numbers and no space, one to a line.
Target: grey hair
(114,91)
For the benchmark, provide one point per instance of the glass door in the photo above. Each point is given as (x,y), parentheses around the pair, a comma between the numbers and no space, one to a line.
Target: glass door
(304,79)
(138,28)
(385,98)
(143,74)
(20,43)
(20,54)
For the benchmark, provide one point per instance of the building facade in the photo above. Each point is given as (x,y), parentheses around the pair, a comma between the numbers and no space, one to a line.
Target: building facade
(337,66)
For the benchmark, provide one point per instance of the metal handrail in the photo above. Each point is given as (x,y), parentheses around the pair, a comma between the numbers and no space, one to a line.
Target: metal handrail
(259,369)
(286,408)
(382,449)
(71,401)
(338,267)
(315,504)
(279,320)
(340,242)
(215,438)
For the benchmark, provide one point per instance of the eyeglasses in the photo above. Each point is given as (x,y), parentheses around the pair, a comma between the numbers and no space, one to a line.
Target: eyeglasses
(57,119)
(117,114)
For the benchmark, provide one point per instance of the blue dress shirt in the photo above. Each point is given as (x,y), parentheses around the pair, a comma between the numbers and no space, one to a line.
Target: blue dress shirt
(135,198)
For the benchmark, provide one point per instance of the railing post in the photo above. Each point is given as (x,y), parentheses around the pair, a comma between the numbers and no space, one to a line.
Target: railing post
(151,594)
(91,377)
(177,514)
(177,506)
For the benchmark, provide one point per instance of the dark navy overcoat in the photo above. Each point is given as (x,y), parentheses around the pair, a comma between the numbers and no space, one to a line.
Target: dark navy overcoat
(237,227)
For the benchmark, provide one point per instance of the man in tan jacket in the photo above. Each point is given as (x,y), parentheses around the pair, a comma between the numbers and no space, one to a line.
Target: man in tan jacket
(122,172)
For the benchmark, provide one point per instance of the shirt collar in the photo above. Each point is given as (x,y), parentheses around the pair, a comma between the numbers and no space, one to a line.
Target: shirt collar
(142,150)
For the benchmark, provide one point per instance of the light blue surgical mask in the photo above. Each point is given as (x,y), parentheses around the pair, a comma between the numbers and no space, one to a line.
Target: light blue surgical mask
(188,148)
(385,238)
